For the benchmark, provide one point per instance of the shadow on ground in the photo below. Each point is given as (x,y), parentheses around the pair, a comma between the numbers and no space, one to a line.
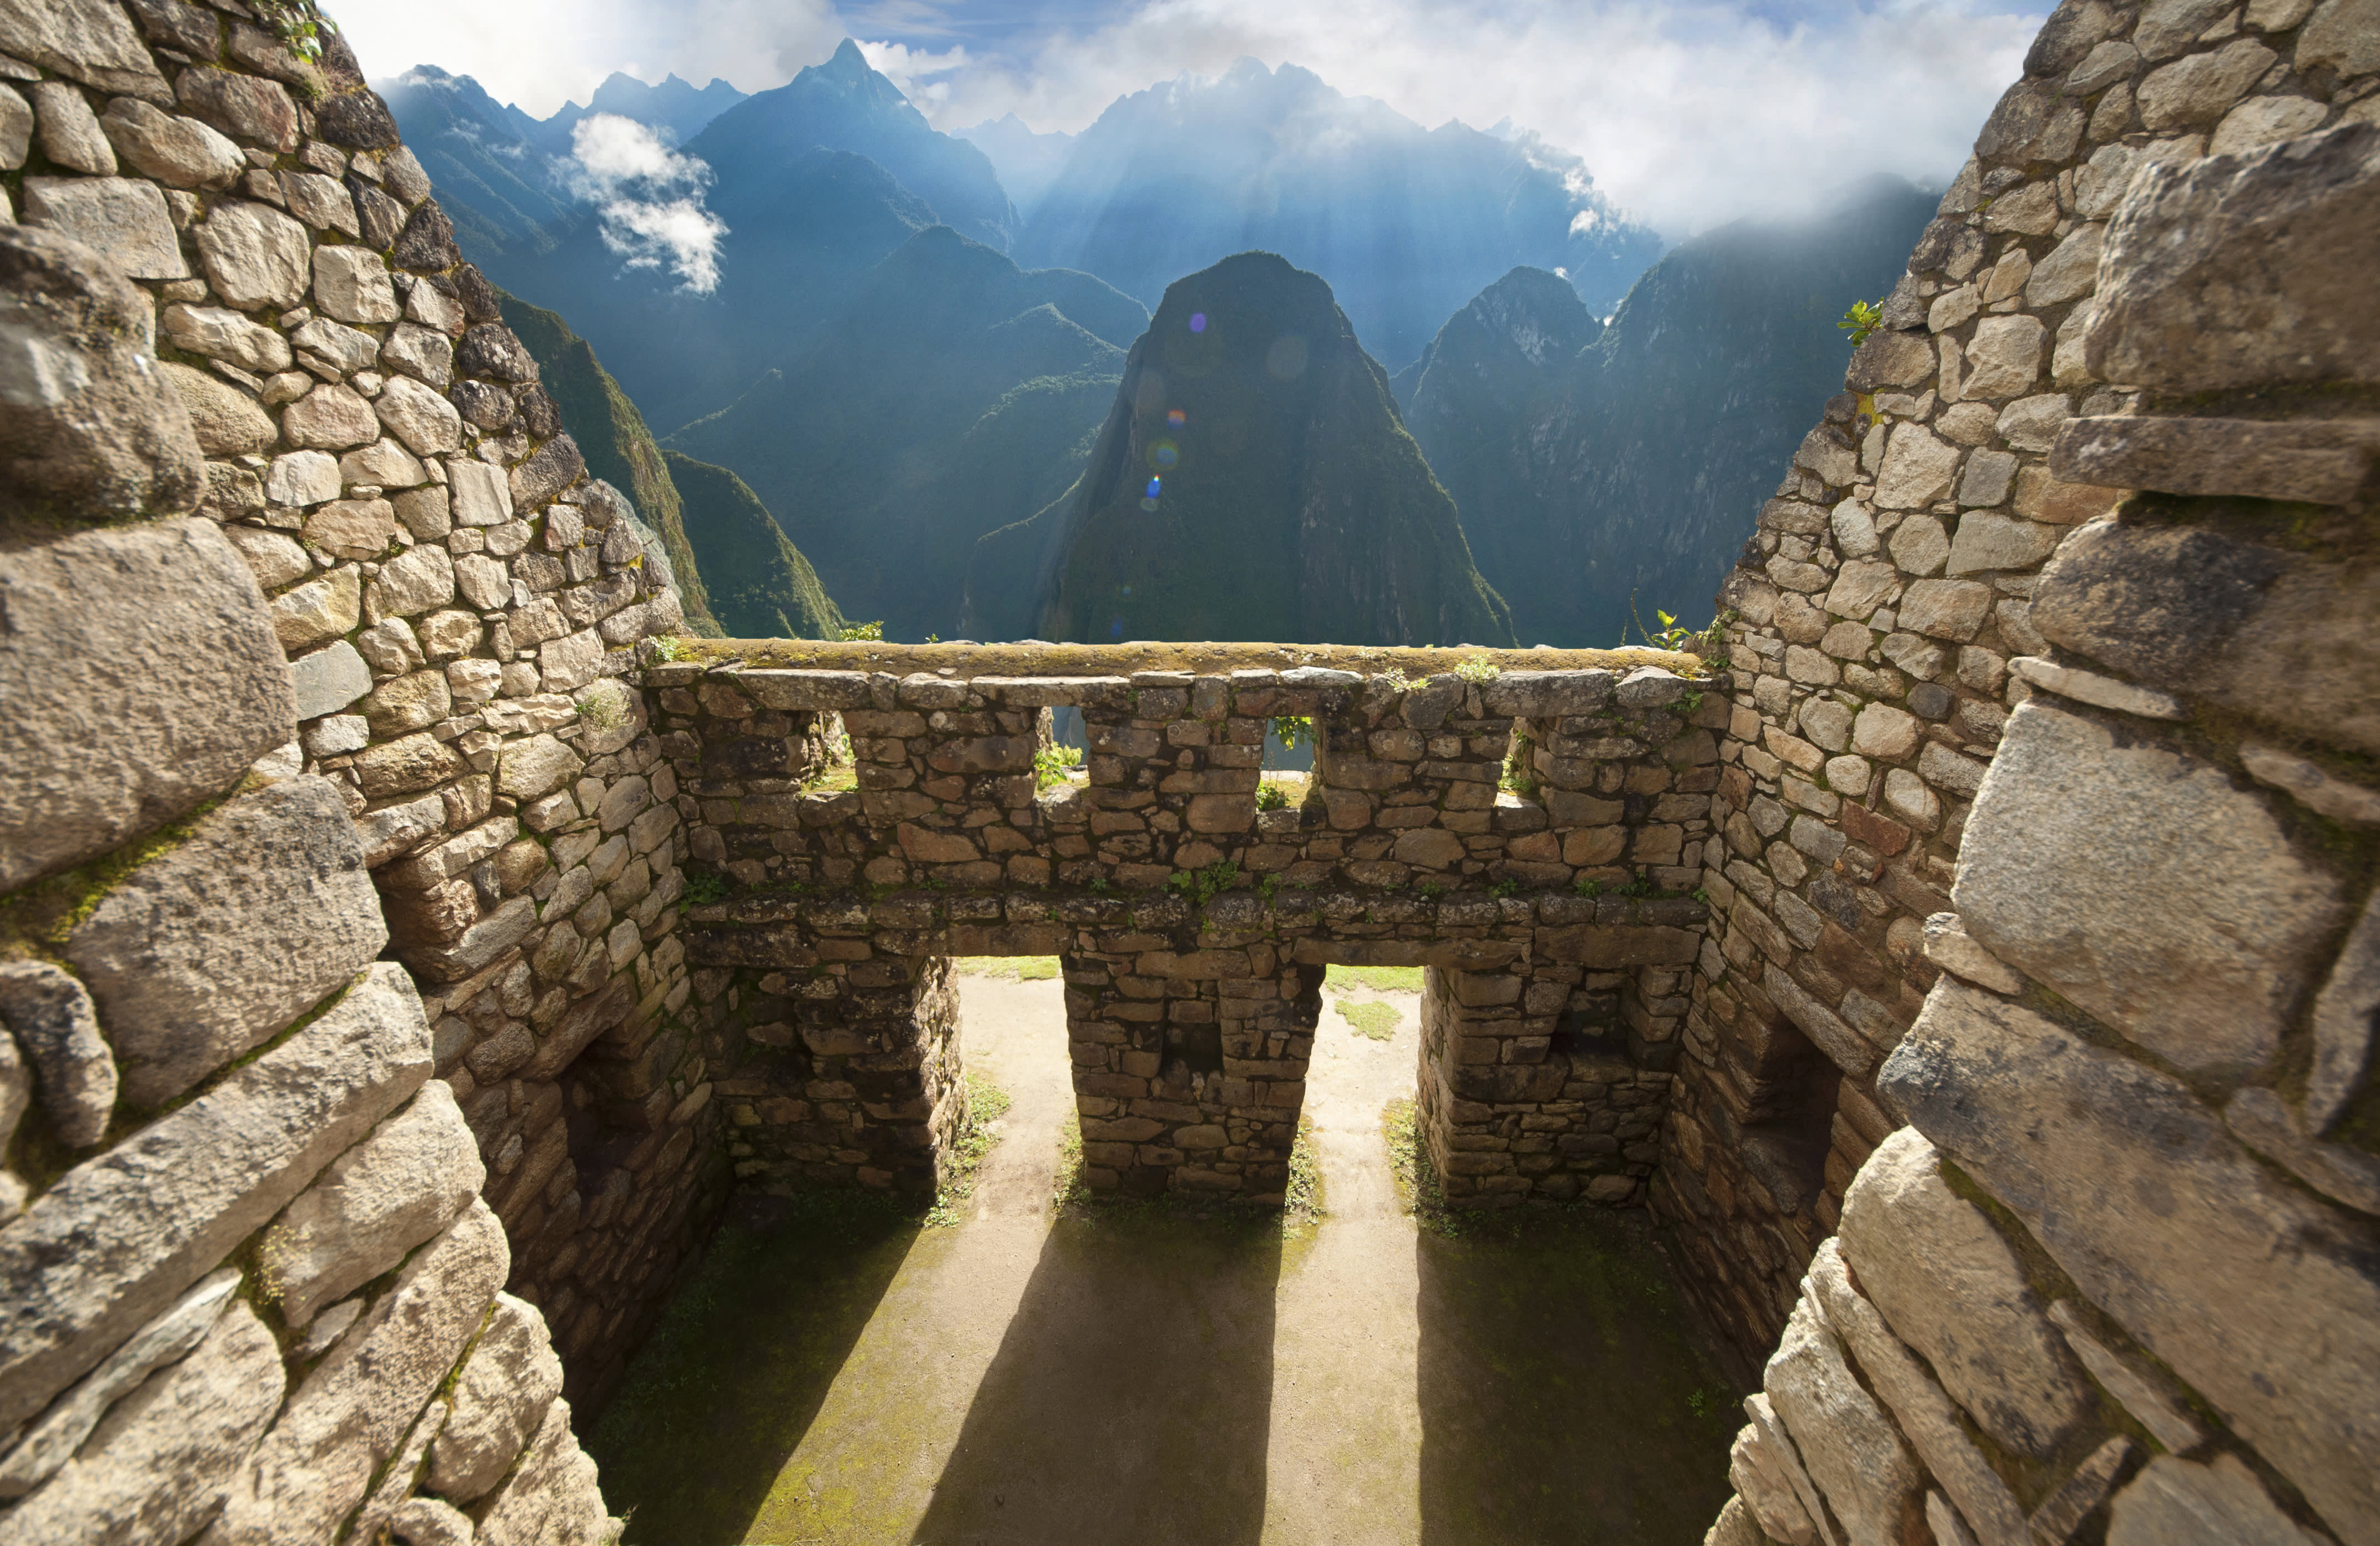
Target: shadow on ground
(1564,1396)
(722,1394)
(1131,1399)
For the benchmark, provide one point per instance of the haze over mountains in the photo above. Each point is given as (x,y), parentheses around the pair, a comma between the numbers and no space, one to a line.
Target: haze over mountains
(896,358)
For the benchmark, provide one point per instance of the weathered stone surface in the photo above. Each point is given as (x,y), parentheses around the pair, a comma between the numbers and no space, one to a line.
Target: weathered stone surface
(2241,271)
(1948,945)
(226,420)
(352,283)
(420,352)
(1917,468)
(2177,1503)
(2319,462)
(1953,1290)
(429,1522)
(177,151)
(532,767)
(330,418)
(1945,608)
(1826,1030)
(244,106)
(191,957)
(91,41)
(2165,1223)
(254,255)
(121,1235)
(2163,1416)
(2194,92)
(401,1185)
(124,219)
(356,1406)
(510,1380)
(2101,692)
(2312,787)
(89,429)
(555,466)
(323,202)
(2270,633)
(2004,358)
(1777,1445)
(1988,539)
(137,678)
(56,1029)
(1927,1416)
(2344,1023)
(157,1467)
(222,334)
(1888,359)
(2084,867)
(553,1499)
(328,680)
(51,1442)
(426,422)
(1851,1448)
(70,134)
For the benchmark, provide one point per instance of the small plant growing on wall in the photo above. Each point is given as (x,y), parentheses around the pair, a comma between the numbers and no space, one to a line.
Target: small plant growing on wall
(1863,318)
(1271,796)
(861,633)
(1478,668)
(1052,764)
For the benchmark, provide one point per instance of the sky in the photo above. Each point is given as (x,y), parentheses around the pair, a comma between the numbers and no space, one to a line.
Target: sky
(1688,115)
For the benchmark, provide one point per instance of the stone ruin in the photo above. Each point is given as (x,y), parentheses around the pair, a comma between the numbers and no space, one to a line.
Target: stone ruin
(1975,964)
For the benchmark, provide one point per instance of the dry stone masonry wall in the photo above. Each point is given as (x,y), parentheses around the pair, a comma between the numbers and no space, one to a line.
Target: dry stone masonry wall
(315,635)
(1193,927)
(2049,829)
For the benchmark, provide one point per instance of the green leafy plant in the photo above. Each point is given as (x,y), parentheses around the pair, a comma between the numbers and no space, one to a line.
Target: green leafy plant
(1394,680)
(1478,668)
(1676,636)
(1588,887)
(861,633)
(1863,318)
(1430,891)
(1100,885)
(987,1103)
(1504,888)
(1271,796)
(1519,764)
(1302,1198)
(1293,731)
(704,888)
(1201,886)
(1051,763)
(296,23)
(669,648)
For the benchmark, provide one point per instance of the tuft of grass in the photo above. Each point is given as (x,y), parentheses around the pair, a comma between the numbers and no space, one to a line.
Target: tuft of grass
(986,1103)
(1380,980)
(1371,1019)
(1009,969)
(1418,1191)
(1302,1199)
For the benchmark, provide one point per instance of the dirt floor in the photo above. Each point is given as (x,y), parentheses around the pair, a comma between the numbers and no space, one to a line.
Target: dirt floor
(840,1373)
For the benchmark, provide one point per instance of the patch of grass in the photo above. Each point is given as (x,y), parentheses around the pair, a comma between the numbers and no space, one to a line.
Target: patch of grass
(1371,1019)
(1271,796)
(1052,764)
(1418,1191)
(986,1103)
(1008,969)
(1380,980)
(1302,1199)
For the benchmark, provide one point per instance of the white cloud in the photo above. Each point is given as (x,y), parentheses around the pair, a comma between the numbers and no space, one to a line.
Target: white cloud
(649,197)
(1687,112)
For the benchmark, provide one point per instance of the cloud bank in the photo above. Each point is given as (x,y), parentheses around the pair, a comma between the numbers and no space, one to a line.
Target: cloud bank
(648,198)
(1688,114)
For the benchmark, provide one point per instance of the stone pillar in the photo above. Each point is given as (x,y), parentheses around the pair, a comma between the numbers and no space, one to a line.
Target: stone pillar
(1190,1066)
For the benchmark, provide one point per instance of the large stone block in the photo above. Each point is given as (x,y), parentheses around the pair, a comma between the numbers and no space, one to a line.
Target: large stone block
(377,1201)
(125,219)
(2244,270)
(1851,1448)
(2256,1294)
(2276,635)
(356,1406)
(1953,1290)
(511,1380)
(2320,462)
(553,1499)
(139,676)
(2179,1502)
(89,429)
(120,1236)
(212,947)
(2087,865)
(158,1466)
(57,1028)
(91,40)
(255,256)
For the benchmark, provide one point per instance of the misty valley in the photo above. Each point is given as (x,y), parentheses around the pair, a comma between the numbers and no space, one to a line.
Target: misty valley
(1246,358)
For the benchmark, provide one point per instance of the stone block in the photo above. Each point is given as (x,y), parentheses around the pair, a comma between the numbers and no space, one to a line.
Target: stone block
(90,429)
(2004,359)
(57,1028)
(1850,1447)
(124,219)
(404,1182)
(139,676)
(552,1499)
(90,40)
(2085,866)
(1951,609)
(2162,1220)
(255,256)
(2315,461)
(512,1378)
(119,1237)
(1888,359)
(2180,1503)
(1542,695)
(2240,271)
(177,151)
(1954,1291)
(158,1466)
(356,1408)
(417,415)
(214,947)
(1988,541)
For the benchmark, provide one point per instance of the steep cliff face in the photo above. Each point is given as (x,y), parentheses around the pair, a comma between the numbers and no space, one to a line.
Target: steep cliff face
(953,394)
(764,587)
(1594,464)
(1253,481)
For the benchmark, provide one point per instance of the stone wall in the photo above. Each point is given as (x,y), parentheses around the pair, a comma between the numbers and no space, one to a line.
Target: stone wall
(457,601)
(316,627)
(2049,831)
(1193,926)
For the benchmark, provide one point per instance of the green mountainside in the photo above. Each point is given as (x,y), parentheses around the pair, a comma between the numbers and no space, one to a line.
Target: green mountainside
(761,586)
(1597,463)
(1253,481)
(952,394)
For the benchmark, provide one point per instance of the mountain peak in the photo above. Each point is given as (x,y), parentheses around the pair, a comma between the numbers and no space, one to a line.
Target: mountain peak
(847,60)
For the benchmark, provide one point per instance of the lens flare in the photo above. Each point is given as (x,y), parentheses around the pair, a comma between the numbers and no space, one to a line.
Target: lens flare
(1164,454)
(1149,505)
(1197,321)
(1155,487)
(1176,417)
